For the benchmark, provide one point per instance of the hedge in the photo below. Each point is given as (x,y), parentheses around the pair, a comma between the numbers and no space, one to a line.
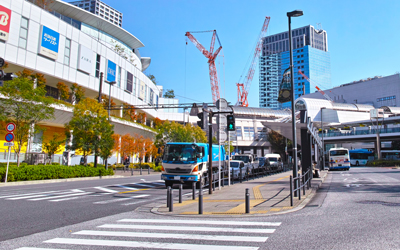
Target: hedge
(45,172)
(144,165)
(383,163)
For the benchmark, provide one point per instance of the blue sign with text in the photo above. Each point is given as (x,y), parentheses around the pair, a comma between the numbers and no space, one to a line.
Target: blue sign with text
(111,71)
(50,39)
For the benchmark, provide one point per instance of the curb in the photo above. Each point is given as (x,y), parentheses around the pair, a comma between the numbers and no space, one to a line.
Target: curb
(314,190)
(18,183)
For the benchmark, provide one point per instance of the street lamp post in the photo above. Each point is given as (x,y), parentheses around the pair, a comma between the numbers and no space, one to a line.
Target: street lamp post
(109,99)
(100,85)
(323,144)
(295,13)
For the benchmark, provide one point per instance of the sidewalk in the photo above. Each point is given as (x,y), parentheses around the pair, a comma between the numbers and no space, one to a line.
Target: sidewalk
(268,195)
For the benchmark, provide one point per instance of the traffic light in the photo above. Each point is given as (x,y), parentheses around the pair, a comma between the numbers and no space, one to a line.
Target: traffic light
(203,119)
(230,122)
(6,76)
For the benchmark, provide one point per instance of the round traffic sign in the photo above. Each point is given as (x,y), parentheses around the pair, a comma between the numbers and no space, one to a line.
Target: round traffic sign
(2,62)
(10,127)
(9,137)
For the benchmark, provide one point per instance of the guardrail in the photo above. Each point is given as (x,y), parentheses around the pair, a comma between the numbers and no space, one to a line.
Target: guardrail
(305,179)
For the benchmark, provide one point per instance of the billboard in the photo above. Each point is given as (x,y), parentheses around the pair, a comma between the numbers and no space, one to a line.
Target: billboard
(85,59)
(111,71)
(5,16)
(49,40)
(141,90)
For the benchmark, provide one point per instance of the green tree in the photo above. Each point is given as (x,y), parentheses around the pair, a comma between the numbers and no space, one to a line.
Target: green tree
(169,94)
(53,145)
(152,78)
(91,130)
(78,92)
(231,147)
(26,105)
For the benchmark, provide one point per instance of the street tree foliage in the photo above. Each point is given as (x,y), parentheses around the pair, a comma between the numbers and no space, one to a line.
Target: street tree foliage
(169,93)
(277,142)
(78,92)
(89,130)
(25,104)
(152,78)
(53,146)
(63,91)
(175,132)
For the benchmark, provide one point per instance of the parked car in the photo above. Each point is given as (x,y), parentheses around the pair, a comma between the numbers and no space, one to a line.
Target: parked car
(275,161)
(236,165)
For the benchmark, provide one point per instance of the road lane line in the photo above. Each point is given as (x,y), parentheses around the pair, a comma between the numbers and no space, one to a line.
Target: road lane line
(119,243)
(106,190)
(41,195)
(121,199)
(201,229)
(16,195)
(144,185)
(126,187)
(173,236)
(233,223)
(60,196)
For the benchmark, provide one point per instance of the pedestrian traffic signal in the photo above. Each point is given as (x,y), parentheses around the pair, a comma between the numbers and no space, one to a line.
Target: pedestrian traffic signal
(231,122)
(203,119)
(6,76)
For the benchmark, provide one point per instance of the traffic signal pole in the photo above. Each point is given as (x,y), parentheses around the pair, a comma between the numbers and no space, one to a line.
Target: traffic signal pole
(210,153)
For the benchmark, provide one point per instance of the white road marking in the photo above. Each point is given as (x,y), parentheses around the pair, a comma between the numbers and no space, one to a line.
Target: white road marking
(39,195)
(17,195)
(202,229)
(197,222)
(118,243)
(126,187)
(172,236)
(106,190)
(121,199)
(37,248)
(141,184)
(60,196)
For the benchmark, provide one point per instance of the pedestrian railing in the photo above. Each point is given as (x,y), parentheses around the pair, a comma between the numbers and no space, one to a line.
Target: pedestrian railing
(298,183)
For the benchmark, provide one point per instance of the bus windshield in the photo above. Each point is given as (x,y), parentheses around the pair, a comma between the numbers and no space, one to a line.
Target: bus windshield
(338,152)
(179,153)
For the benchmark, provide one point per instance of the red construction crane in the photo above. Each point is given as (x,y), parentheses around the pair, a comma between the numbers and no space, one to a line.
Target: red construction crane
(319,90)
(211,60)
(243,88)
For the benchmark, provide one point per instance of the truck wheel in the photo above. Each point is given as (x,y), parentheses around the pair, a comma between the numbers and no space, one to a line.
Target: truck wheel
(168,184)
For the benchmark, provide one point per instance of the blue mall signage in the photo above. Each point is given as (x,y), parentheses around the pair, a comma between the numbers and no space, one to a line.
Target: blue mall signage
(111,71)
(49,41)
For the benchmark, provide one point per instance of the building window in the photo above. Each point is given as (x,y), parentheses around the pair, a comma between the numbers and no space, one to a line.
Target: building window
(23,33)
(129,79)
(239,132)
(134,86)
(67,52)
(97,74)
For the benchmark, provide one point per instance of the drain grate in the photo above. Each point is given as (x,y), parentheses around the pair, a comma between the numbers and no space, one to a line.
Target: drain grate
(384,203)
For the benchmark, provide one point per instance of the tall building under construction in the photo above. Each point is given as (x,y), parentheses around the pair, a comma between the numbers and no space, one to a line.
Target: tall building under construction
(310,55)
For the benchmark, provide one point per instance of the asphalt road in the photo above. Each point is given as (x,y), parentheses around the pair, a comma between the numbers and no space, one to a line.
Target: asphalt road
(356,209)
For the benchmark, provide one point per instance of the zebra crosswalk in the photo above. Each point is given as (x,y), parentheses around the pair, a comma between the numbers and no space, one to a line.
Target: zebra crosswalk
(92,192)
(168,234)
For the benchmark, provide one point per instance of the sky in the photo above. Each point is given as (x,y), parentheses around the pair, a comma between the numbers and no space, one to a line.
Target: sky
(363,39)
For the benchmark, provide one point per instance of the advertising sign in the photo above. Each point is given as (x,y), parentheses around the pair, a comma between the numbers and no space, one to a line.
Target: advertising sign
(85,59)
(142,90)
(5,16)
(49,40)
(111,71)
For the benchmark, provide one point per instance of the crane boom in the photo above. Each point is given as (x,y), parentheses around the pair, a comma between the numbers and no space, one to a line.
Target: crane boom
(243,88)
(210,55)
(319,90)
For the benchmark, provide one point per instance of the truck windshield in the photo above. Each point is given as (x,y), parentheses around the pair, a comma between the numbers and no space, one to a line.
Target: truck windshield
(241,158)
(179,153)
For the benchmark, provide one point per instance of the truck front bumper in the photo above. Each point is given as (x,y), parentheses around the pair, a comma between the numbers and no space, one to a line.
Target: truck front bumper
(180,178)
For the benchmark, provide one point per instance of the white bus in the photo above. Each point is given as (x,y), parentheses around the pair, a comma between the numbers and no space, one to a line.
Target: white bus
(339,158)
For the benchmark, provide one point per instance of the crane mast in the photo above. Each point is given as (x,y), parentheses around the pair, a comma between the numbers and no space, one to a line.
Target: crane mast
(319,90)
(210,55)
(243,88)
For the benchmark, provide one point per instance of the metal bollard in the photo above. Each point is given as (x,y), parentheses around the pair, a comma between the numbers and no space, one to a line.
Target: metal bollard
(140,170)
(168,191)
(232,177)
(131,171)
(299,186)
(291,191)
(247,201)
(148,170)
(240,179)
(304,184)
(180,193)
(194,190)
(213,183)
(201,200)
(171,201)
(222,179)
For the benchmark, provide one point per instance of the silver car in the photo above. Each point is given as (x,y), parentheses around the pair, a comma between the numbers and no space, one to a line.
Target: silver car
(236,165)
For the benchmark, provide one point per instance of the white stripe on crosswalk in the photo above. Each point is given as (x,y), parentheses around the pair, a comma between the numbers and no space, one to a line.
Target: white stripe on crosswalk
(37,248)
(202,229)
(67,199)
(126,187)
(17,195)
(59,196)
(121,199)
(118,243)
(173,236)
(39,195)
(233,223)
(106,190)
(141,184)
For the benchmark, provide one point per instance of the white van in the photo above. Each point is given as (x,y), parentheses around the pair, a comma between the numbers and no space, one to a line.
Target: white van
(275,160)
